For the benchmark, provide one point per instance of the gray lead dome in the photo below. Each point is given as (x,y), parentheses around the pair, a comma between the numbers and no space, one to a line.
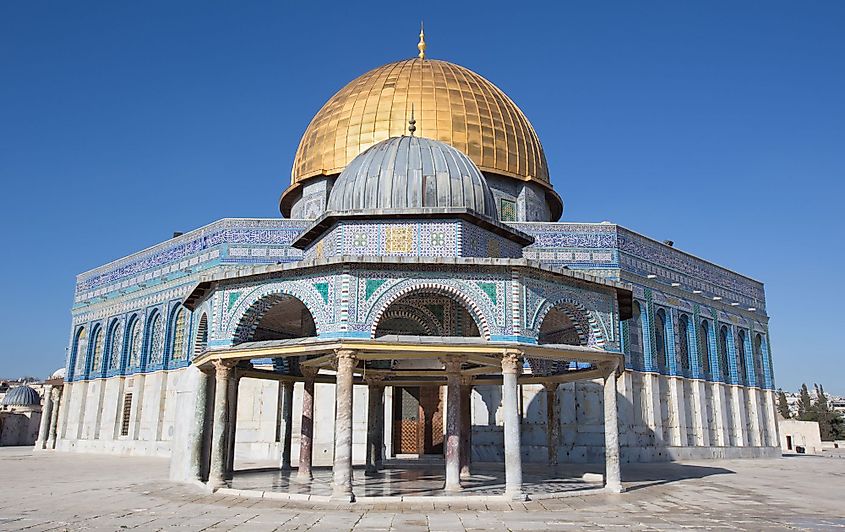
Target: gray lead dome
(22,396)
(411,173)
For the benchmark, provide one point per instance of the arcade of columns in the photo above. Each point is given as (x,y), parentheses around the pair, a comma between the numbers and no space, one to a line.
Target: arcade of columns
(458,422)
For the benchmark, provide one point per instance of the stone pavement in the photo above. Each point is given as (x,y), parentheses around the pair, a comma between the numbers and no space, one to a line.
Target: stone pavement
(94,492)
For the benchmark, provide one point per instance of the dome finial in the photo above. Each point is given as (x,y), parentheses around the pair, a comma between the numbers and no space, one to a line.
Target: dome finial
(412,123)
(421,45)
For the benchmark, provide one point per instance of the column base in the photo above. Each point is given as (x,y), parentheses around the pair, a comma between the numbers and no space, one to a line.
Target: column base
(303,476)
(516,496)
(342,497)
(216,484)
(466,474)
(453,488)
(614,488)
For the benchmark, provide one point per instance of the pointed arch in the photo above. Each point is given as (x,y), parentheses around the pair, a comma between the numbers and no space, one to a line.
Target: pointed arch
(134,344)
(590,330)
(275,316)
(469,305)
(95,367)
(114,346)
(79,352)
(177,346)
(201,336)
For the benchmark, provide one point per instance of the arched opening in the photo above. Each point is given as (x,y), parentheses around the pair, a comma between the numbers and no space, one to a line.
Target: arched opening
(427,313)
(418,425)
(97,355)
(80,349)
(724,368)
(563,324)
(740,358)
(683,346)
(114,345)
(660,341)
(704,349)
(155,340)
(201,341)
(758,359)
(275,317)
(136,343)
(635,337)
(177,350)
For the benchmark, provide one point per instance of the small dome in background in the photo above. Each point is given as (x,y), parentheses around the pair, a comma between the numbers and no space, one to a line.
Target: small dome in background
(22,396)
(411,173)
(59,373)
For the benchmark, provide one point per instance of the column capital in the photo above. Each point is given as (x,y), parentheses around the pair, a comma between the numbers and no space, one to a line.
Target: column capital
(55,393)
(466,380)
(376,379)
(309,372)
(223,368)
(452,364)
(608,367)
(510,362)
(345,353)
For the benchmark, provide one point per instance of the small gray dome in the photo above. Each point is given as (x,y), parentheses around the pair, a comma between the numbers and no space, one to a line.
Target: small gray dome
(22,396)
(411,173)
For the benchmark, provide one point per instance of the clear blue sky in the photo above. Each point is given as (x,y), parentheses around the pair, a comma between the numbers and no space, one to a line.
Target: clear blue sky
(719,125)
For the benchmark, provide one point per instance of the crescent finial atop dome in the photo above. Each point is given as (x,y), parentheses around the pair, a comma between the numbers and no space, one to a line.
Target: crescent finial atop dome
(421,45)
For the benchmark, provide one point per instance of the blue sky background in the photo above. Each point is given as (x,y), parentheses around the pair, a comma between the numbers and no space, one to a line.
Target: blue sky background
(719,125)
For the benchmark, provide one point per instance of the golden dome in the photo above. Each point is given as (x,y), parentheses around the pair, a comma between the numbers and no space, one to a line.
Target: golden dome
(452,104)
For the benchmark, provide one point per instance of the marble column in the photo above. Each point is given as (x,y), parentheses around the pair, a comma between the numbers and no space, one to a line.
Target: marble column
(453,423)
(306,438)
(375,424)
(195,439)
(466,426)
(234,385)
(552,422)
(46,414)
(220,429)
(612,475)
(513,447)
(285,423)
(342,468)
(56,395)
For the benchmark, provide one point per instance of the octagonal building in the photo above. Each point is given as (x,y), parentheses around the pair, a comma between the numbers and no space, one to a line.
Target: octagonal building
(419,299)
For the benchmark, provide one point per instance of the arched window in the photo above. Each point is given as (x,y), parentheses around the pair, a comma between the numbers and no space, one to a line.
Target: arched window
(115,345)
(99,343)
(683,345)
(80,351)
(177,349)
(201,342)
(724,368)
(660,341)
(758,359)
(155,334)
(704,349)
(742,376)
(635,337)
(136,343)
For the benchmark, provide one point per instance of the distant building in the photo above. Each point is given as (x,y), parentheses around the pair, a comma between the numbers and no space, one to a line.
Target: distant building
(799,437)
(20,416)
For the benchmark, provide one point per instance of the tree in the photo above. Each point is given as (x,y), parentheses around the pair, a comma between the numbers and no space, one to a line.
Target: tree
(783,405)
(831,424)
(805,405)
